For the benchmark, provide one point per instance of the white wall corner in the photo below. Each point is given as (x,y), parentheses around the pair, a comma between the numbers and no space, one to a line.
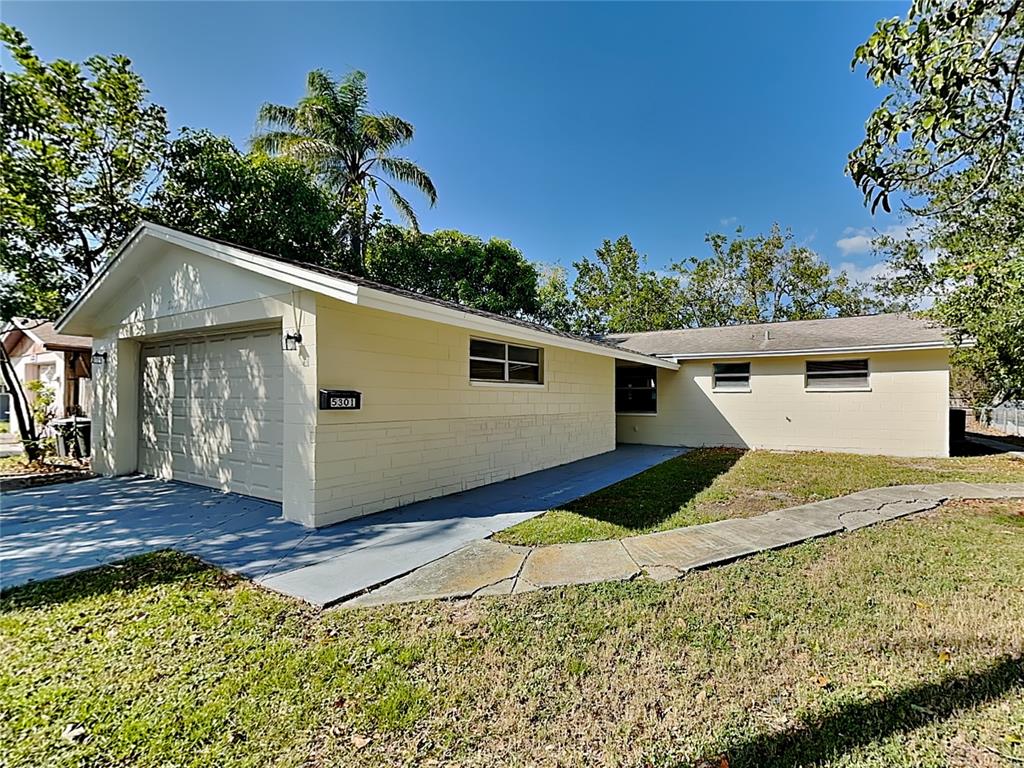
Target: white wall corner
(300,412)
(115,410)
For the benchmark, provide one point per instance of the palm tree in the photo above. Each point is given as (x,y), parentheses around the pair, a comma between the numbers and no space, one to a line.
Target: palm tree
(347,149)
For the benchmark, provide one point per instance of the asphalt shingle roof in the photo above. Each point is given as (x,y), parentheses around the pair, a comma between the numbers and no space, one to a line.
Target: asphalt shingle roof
(418,296)
(866,331)
(46,333)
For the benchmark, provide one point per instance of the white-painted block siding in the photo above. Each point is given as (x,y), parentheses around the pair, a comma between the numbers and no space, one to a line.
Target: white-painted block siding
(905,413)
(424,430)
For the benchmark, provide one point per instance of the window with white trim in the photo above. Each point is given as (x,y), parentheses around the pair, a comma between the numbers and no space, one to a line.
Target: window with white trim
(826,375)
(731,377)
(636,389)
(508,363)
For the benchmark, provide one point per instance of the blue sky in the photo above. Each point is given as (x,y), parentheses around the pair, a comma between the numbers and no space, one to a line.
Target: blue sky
(552,125)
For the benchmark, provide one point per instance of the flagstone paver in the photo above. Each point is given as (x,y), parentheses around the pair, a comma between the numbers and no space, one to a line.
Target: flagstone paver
(581,563)
(483,568)
(501,570)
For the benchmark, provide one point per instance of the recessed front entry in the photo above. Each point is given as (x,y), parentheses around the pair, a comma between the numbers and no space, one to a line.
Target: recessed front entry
(211,411)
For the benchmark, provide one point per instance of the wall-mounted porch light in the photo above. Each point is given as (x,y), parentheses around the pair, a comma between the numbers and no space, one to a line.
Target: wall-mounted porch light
(292,341)
(99,358)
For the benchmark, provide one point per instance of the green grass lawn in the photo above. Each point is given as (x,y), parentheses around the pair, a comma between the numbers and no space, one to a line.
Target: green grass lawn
(898,645)
(711,484)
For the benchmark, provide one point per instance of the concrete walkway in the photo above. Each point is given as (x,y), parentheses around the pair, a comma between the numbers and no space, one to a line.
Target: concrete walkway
(490,568)
(47,532)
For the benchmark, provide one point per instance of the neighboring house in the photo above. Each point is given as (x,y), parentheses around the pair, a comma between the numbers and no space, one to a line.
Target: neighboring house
(61,362)
(338,396)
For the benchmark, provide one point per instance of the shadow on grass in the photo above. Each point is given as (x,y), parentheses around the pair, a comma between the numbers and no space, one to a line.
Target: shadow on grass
(834,733)
(648,499)
(138,572)
(970,447)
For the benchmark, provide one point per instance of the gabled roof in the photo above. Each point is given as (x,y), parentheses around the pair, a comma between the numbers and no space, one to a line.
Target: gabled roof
(43,332)
(338,285)
(865,333)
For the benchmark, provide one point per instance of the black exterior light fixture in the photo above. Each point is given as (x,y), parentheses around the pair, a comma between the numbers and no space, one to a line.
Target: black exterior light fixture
(99,358)
(292,341)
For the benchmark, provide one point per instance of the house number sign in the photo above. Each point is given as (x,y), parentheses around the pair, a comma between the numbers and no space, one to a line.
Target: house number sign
(340,400)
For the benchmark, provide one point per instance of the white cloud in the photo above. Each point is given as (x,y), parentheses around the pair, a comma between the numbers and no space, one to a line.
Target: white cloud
(866,273)
(728,221)
(858,240)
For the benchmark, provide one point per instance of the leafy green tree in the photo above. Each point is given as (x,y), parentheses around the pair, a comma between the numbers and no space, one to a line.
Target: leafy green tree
(81,148)
(451,265)
(953,74)
(615,293)
(949,136)
(270,204)
(346,148)
(764,279)
(556,308)
(970,264)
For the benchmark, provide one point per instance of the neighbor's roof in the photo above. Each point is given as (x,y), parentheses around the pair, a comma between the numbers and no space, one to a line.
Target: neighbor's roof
(42,332)
(866,333)
(329,282)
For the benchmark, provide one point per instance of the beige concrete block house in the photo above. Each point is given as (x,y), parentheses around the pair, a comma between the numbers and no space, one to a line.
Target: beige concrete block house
(339,397)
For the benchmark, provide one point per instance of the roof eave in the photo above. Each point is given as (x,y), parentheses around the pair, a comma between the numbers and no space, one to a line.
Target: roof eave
(344,290)
(901,347)
(424,310)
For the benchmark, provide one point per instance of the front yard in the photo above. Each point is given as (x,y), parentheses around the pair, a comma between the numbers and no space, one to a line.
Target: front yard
(898,645)
(709,484)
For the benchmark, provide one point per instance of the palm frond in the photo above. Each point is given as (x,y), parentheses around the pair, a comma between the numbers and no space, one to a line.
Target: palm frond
(386,132)
(406,171)
(273,142)
(401,204)
(319,83)
(352,92)
(276,116)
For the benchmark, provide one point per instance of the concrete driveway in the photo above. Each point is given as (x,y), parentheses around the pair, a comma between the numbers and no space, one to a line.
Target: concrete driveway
(59,529)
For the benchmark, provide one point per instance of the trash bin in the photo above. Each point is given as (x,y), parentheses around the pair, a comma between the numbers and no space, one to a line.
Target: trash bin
(73,437)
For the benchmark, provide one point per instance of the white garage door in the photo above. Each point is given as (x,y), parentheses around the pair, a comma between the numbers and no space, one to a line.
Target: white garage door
(211,411)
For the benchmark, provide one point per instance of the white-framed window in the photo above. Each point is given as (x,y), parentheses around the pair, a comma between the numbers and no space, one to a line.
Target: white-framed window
(636,389)
(834,375)
(731,377)
(509,363)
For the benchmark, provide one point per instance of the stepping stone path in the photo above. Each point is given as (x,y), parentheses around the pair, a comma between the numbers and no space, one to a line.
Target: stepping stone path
(489,568)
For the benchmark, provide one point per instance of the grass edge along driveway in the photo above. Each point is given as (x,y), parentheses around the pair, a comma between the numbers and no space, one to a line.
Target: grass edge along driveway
(709,484)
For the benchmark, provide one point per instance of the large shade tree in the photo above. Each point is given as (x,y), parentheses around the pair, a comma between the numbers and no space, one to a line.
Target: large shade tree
(948,138)
(270,204)
(80,149)
(347,148)
(615,292)
(765,279)
(491,275)
(953,75)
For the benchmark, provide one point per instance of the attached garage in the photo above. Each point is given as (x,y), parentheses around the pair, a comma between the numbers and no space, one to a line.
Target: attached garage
(338,396)
(211,411)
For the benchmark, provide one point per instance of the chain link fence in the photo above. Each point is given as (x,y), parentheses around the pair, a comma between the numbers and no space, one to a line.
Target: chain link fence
(1008,418)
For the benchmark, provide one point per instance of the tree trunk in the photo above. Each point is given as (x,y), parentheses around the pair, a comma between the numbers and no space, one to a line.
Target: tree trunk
(20,406)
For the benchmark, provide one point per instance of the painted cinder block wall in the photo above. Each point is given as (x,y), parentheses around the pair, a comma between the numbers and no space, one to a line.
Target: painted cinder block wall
(424,429)
(186,293)
(905,413)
